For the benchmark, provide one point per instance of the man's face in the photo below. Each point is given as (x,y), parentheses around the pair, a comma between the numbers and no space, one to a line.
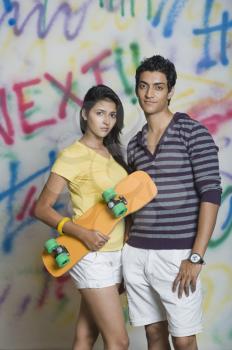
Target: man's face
(153,92)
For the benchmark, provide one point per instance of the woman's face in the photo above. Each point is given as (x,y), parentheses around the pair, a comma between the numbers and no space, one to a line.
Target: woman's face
(101,118)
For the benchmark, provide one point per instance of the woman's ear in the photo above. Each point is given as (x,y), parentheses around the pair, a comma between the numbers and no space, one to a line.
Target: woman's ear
(83,114)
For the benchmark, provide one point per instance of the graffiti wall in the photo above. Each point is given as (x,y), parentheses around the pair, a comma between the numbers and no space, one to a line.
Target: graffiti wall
(51,52)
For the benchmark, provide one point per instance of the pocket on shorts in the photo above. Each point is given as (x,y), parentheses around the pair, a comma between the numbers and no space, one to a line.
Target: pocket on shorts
(89,259)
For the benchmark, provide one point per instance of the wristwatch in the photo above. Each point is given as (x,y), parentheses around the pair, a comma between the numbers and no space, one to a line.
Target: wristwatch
(195,258)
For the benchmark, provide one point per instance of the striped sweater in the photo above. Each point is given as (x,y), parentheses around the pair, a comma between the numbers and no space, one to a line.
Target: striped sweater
(185,170)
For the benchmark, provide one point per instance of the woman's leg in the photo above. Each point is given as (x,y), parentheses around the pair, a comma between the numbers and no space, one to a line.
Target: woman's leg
(105,307)
(86,329)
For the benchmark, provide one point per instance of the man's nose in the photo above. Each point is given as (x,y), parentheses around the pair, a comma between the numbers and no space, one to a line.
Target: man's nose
(149,92)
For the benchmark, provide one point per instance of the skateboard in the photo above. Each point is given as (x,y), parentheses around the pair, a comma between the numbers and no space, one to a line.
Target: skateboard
(129,195)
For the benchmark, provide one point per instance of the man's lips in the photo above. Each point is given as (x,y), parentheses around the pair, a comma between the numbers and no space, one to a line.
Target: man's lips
(150,102)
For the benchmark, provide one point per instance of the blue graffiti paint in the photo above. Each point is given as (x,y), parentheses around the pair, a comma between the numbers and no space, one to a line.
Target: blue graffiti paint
(11,230)
(173,14)
(17,187)
(207,62)
(157,18)
(9,7)
(228,219)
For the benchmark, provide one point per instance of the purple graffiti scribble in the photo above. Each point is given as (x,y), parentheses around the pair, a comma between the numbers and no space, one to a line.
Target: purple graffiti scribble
(24,305)
(43,30)
(4,294)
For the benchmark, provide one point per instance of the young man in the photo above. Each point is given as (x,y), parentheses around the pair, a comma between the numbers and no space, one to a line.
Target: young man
(168,238)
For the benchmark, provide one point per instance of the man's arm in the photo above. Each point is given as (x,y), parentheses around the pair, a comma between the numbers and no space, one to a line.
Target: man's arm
(203,154)
(188,273)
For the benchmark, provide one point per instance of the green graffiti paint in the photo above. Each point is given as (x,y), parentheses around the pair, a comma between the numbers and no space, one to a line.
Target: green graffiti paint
(119,64)
(132,8)
(32,135)
(111,5)
(101,3)
(44,15)
(28,113)
(213,243)
(126,314)
(122,8)
(135,54)
(149,9)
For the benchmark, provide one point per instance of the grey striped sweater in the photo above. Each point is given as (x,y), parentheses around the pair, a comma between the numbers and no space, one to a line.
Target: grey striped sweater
(185,170)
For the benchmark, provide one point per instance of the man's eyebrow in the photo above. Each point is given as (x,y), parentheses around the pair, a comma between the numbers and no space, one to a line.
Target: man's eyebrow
(158,83)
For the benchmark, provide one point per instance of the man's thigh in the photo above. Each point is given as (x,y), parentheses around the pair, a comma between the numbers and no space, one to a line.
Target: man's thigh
(144,303)
(184,315)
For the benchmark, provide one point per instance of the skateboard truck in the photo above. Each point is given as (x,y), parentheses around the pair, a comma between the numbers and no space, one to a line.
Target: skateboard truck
(59,252)
(116,205)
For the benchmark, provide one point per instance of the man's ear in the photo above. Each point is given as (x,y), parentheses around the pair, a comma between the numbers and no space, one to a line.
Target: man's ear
(171,93)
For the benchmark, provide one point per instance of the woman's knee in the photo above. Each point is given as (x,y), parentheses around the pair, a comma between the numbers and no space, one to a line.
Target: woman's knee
(119,343)
(84,340)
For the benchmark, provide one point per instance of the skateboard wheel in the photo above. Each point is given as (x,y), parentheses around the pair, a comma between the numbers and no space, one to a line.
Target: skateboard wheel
(50,245)
(62,259)
(109,194)
(119,209)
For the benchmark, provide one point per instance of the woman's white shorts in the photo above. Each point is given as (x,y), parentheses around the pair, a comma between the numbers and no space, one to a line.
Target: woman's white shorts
(98,270)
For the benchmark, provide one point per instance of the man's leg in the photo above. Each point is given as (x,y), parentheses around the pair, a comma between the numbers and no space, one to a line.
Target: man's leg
(185,343)
(157,336)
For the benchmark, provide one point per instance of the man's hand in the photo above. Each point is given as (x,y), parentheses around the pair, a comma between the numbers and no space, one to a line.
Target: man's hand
(186,278)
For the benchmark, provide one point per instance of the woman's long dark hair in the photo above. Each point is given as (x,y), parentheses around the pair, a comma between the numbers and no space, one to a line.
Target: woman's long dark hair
(112,140)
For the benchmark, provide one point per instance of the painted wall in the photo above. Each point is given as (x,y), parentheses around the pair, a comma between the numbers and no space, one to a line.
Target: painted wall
(48,59)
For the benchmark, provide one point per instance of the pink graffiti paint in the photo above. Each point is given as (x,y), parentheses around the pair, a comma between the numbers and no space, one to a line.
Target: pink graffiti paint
(94,64)
(66,90)
(22,213)
(9,7)
(23,106)
(7,131)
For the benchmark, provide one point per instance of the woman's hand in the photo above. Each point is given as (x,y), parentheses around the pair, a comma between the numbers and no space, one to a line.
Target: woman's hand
(94,240)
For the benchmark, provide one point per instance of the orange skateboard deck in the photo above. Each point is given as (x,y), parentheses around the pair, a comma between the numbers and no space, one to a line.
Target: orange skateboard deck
(137,188)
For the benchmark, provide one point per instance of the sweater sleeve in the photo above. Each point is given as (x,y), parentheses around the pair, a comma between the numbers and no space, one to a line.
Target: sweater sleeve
(205,165)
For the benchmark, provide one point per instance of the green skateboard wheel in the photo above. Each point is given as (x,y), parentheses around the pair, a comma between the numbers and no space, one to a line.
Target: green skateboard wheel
(119,209)
(50,245)
(109,194)
(62,259)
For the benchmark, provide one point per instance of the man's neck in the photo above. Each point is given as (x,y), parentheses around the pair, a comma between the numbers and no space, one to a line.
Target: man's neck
(159,121)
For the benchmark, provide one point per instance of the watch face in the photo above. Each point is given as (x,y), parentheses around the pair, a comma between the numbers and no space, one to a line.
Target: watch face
(195,258)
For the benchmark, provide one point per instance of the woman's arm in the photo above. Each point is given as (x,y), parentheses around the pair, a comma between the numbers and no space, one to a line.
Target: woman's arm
(45,212)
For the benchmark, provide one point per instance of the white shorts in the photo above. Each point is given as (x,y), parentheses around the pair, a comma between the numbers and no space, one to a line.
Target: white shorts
(98,270)
(149,276)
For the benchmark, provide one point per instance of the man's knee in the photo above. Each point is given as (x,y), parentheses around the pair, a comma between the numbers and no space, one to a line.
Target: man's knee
(185,343)
(156,331)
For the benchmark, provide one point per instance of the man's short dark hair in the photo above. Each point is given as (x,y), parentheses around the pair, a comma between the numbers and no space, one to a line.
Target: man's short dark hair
(159,64)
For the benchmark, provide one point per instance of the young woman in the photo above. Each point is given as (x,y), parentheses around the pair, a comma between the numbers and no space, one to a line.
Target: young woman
(88,167)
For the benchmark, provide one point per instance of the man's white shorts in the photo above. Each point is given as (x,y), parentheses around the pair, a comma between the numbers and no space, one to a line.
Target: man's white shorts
(98,270)
(149,276)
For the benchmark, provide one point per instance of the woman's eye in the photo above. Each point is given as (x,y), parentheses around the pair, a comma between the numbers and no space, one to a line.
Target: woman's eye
(99,113)
(113,115)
